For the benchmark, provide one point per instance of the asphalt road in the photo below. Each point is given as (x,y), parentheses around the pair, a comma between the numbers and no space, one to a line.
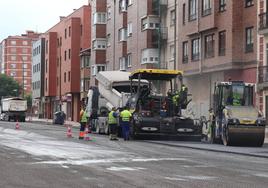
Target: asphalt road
(42,156)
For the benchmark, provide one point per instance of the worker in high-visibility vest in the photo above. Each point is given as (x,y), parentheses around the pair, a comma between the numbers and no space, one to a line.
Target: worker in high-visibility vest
(112,121)
(83,123)
(125,122)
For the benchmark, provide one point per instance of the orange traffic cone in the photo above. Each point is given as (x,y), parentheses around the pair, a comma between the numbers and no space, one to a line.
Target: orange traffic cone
(69,131)
(87,138)
(17,125)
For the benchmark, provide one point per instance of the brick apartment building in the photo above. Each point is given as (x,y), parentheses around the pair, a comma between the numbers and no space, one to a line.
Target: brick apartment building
(262,56)
(217,41)
(126,35)
(63,43)
(17,59)
(38,65)
(210,40)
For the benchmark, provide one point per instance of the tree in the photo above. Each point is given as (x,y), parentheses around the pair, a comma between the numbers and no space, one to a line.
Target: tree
(8,86)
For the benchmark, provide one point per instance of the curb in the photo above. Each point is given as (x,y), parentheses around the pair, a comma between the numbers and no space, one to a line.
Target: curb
(49,123)
(207,149)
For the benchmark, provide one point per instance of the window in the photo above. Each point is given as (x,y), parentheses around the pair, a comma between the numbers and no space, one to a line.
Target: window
(172,17)
(183,13)
(24,58)
(192,10)
(46,65)
(65,33)
(25,66)
(249,39)
(222,5)
(13,58)
(130,2)
(222,43)
(13,50)
(129,29)
(13,73)
(97,68)
(65,55)
(69,31)
(99,44)
(13,42)
(144,23)
(69,76)
(209,46)
(13,66)
(122,34)
(25,74)
(46,84)
(206,7)
(24,50)
(65,77)
(249,3)
(25,42)
(109,13)
(99,18)
(46,46)
(81,29)
(172,51)
(129,60)
(109,40)
(122,63)
(185,52)
(195,49)
(69,53)
(122,5)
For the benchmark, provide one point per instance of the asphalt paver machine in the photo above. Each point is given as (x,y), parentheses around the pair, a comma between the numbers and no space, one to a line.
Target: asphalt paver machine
(152,105)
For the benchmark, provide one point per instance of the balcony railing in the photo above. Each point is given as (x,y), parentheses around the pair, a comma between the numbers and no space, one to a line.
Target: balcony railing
(263,74)
(263,21)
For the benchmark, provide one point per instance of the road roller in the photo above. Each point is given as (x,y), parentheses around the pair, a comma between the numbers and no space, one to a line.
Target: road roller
(234,120)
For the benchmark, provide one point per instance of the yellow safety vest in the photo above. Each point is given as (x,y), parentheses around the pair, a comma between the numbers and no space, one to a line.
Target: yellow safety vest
(84,117)
(125,115)
(111,118)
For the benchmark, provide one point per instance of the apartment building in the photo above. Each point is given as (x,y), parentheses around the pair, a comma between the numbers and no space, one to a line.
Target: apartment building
(127,35)
(17,59)
(217,41)
(262,56)
(63,43)
(38,65)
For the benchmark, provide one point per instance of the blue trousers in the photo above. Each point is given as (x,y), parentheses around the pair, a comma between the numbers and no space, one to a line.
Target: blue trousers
(125,129)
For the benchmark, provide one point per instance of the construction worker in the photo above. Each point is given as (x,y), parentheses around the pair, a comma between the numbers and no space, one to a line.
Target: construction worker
(83,123)
(125,122)
(112,121)
(175,100)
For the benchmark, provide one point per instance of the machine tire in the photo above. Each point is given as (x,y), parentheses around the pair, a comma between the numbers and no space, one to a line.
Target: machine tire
(260,141)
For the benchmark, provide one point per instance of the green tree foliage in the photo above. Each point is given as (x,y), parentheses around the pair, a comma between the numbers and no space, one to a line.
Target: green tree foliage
(8,86)
(29,100)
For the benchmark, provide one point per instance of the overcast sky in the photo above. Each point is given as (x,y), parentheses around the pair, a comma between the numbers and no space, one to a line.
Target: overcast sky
(17,16)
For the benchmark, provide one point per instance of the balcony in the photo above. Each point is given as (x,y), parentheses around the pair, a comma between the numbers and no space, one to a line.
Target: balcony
(262,77)
(263,23)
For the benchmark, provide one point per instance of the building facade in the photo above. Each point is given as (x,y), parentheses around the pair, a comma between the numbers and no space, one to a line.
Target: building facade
(63,43)
(262,56)
(38,65)
(17,59)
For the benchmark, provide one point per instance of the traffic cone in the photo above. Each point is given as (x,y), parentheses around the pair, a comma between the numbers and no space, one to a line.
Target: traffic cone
(87,138)
(17,125)
(69,132)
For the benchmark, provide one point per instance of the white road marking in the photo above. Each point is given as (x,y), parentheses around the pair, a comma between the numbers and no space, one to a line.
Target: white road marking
(125,168)
(261,175)
(187,178)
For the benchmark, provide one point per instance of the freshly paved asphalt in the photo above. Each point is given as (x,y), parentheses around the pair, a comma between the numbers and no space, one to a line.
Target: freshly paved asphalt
(40,155)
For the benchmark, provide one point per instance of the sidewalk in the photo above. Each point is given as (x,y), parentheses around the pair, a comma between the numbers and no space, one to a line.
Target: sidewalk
(50,121)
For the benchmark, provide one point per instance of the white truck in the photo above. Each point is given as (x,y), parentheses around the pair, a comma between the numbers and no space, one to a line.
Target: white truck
(113,90)
(13,108)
